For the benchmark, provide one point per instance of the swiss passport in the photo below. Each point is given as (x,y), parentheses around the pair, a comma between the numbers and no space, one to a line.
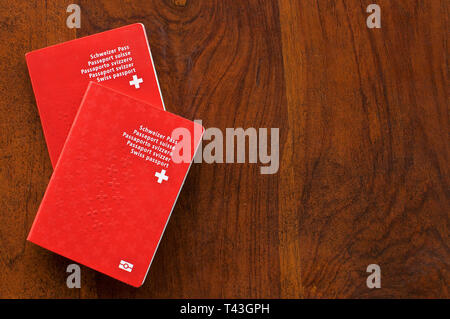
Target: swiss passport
(115,184)
(119,59)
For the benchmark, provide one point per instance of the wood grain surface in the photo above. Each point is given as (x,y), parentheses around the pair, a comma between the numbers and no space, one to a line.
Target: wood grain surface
(364,148)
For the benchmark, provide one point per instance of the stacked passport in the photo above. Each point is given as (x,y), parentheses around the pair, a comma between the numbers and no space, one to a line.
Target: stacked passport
(119,158)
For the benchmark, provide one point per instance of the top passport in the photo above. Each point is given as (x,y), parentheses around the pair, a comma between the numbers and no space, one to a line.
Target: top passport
(119,59)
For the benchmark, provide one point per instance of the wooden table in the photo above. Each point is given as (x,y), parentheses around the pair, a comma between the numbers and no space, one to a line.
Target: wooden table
(364,148)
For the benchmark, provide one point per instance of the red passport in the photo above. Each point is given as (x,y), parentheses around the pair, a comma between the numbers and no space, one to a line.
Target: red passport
(115,185)
(119,59)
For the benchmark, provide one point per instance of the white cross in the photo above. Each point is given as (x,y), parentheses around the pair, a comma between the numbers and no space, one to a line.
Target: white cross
(136,81)
(161,176)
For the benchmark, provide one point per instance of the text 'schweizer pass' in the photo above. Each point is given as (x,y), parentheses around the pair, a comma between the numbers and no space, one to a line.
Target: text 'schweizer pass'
(119,59)
(115,184)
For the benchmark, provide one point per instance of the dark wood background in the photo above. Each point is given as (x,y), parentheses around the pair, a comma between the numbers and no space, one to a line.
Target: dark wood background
(364,146)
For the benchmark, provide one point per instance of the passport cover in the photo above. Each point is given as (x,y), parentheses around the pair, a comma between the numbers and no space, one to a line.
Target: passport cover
(116,182)
(119,59)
